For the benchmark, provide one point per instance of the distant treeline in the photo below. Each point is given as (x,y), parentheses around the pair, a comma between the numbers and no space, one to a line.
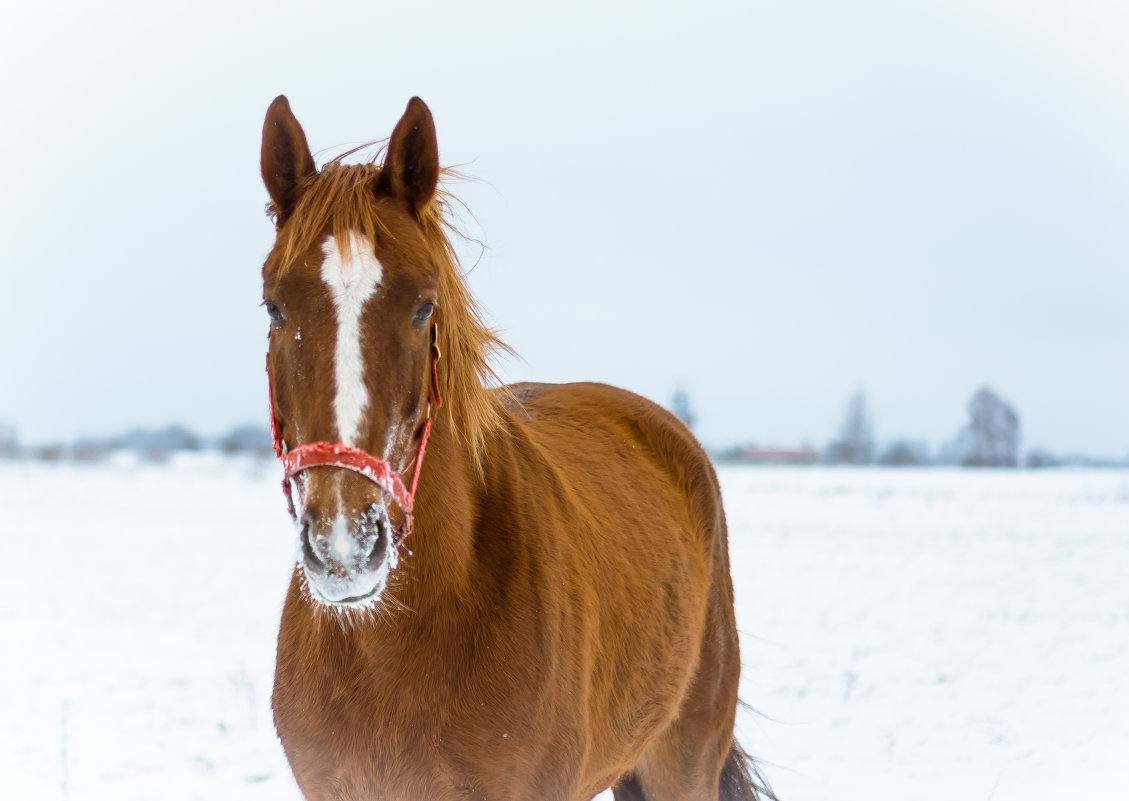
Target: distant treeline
(153,444)
(989,438)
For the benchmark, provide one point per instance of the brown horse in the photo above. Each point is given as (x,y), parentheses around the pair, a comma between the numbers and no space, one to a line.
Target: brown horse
(561,620)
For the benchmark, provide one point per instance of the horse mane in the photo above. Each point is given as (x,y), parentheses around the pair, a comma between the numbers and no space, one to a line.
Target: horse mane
(341,197)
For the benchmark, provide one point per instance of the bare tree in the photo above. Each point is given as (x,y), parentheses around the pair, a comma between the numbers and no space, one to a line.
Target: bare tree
(855,444)
(9,442)
(991,437)
(680,405)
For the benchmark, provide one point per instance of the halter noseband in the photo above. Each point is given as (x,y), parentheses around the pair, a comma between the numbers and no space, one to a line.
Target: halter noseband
(338,454)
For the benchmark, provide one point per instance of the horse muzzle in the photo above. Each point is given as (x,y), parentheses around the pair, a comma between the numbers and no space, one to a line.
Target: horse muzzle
(347,562)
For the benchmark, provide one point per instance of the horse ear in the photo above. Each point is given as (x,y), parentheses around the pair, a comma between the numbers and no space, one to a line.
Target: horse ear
(411,168)
(286,158)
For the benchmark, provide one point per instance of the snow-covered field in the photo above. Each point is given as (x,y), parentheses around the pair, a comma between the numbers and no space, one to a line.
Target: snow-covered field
(908,635)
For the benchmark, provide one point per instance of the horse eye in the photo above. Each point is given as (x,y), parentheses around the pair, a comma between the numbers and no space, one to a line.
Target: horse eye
(276,317)
(424,312)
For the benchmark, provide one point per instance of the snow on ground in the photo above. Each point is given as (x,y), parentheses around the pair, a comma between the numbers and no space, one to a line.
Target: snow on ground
(935,634)
(907,634)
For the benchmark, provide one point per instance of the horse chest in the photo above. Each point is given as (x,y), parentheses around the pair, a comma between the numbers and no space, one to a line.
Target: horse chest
(338,753)
(355,727)
(345,741)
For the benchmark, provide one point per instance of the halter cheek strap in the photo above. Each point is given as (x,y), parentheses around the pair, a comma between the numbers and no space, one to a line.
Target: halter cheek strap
(338,454)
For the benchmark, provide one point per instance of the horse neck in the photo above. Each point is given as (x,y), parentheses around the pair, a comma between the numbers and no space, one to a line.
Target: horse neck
(435,560)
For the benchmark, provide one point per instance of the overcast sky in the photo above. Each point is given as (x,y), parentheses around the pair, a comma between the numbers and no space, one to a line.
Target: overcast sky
(771,203)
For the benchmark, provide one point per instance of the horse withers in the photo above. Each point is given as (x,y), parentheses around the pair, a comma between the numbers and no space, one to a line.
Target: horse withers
(513,592)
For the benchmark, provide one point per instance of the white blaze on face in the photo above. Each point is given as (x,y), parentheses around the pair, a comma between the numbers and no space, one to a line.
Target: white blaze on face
(352,278)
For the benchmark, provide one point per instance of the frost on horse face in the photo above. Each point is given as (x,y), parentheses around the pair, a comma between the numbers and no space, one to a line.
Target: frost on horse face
(563,622)
(357,566)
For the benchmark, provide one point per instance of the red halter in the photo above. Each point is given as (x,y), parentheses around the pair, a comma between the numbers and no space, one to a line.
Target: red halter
(338,454)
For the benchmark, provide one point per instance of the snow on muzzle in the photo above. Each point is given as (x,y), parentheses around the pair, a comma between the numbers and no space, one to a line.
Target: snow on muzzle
(347,559)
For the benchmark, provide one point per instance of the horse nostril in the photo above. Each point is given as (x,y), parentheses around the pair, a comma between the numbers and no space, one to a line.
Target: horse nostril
(308,554)
(377,525)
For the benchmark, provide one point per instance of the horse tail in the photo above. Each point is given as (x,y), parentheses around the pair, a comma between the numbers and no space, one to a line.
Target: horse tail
(741,779)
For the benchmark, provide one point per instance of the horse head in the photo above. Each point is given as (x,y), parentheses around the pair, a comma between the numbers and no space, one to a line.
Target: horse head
(351,286)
